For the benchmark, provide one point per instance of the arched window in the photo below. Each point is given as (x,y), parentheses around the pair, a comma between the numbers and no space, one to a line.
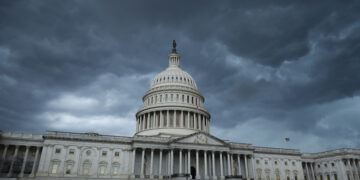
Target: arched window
(69,166)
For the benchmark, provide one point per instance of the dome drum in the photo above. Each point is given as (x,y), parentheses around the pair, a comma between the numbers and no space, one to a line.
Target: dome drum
(173,106)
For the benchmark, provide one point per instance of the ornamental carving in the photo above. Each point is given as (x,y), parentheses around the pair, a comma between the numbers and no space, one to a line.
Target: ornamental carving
(200,139)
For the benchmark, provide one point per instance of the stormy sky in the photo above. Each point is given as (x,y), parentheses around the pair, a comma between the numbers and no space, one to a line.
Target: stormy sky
(268,70)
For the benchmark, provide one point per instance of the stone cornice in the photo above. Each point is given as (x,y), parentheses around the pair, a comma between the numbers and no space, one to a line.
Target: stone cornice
(174,106)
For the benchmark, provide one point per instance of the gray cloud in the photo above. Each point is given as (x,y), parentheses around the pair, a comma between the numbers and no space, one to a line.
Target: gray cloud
(262,66)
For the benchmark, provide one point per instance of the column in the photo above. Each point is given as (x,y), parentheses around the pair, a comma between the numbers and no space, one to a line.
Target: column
(189,162)
(160,163)
(3,157)
(169,162)
(42,159)
(205,166)
(199,121)
(232,164)
(221,166)
(239,164)
(161,120)
(142,175)
(180,161)
(246,168)
(174,119)
(252,167)
(151,164)
(188,120)
(155,120)
(352,169)
(197,165)
(312,171)
(182,119)
(24,162)
(195,122)
(13,160)
(35,162)
(143,121)
(167,119)
(149,121)
(133,163)
(356,170)
(307,171)
(137,124)
(172,162)
(213,165)
(228,163)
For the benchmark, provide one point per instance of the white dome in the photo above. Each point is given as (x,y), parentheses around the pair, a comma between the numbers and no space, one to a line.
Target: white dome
(173,75)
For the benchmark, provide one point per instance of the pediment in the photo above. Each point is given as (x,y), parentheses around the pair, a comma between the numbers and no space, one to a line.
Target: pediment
(200,138)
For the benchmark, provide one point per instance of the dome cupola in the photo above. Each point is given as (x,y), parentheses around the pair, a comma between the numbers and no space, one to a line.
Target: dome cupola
(173,106)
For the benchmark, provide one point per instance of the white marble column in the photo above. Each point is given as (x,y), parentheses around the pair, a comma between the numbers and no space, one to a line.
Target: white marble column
(182,119)
(307,171)
(151,164)
(189,161)
(169,162)
(167,119)
(133,163)
(42,159)
(356,170)
(221,166)
(312,171)
(188,119)
(197,165)
(205,166)
(199,121)
(142,175)
(155,120)
(3,157)
(195,122)
(149,120)
(35,162)
(246,167)
(13,160)
(180,161)
(239,164)
(213,165)
(160,164)
(252,167)
(174,118)
(24,162)
(228,164)
(172,162)
(161,120)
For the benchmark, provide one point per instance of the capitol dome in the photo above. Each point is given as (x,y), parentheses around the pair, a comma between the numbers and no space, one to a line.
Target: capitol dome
(173,106)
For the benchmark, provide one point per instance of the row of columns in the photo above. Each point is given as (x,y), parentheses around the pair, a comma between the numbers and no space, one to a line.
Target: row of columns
(16,152)
(309,170)
(248,159)
(187,119)
(353,166)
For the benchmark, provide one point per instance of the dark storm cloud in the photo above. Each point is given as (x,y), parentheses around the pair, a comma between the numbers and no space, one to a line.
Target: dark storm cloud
(291,65)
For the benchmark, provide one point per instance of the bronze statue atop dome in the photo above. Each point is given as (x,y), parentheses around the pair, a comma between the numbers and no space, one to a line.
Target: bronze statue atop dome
(174,47)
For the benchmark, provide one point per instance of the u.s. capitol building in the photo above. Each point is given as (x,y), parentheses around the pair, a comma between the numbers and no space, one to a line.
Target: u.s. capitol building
(172,141)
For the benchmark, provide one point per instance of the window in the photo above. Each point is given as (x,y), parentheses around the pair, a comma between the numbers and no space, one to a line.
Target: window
(318,165)
(102,169)
(88,152)
(69,166)
(285,163)
(57,150)
(104,153)
(115,168)
(277,174)
(156,98)
(177,97)
(72,151)
(325,165)
(172,97)
(293,163)
(183,98)
(166,97)
(86,167)
(266,162)
(117,154)
(54,168)
(275,162)
(196,101)
(187,99)
(333,164)
(257,162)
(192,100)
(160,98)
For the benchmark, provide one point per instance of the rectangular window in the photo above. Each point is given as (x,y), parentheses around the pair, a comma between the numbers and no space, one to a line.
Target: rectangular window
(192,100)
(166,97)
(171,99)
(54,168)
(160,98)
(57,150)
(72,151)
(187,99)
(117,154)
(104,153)
(156,99)
(183,99)
(177,97)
